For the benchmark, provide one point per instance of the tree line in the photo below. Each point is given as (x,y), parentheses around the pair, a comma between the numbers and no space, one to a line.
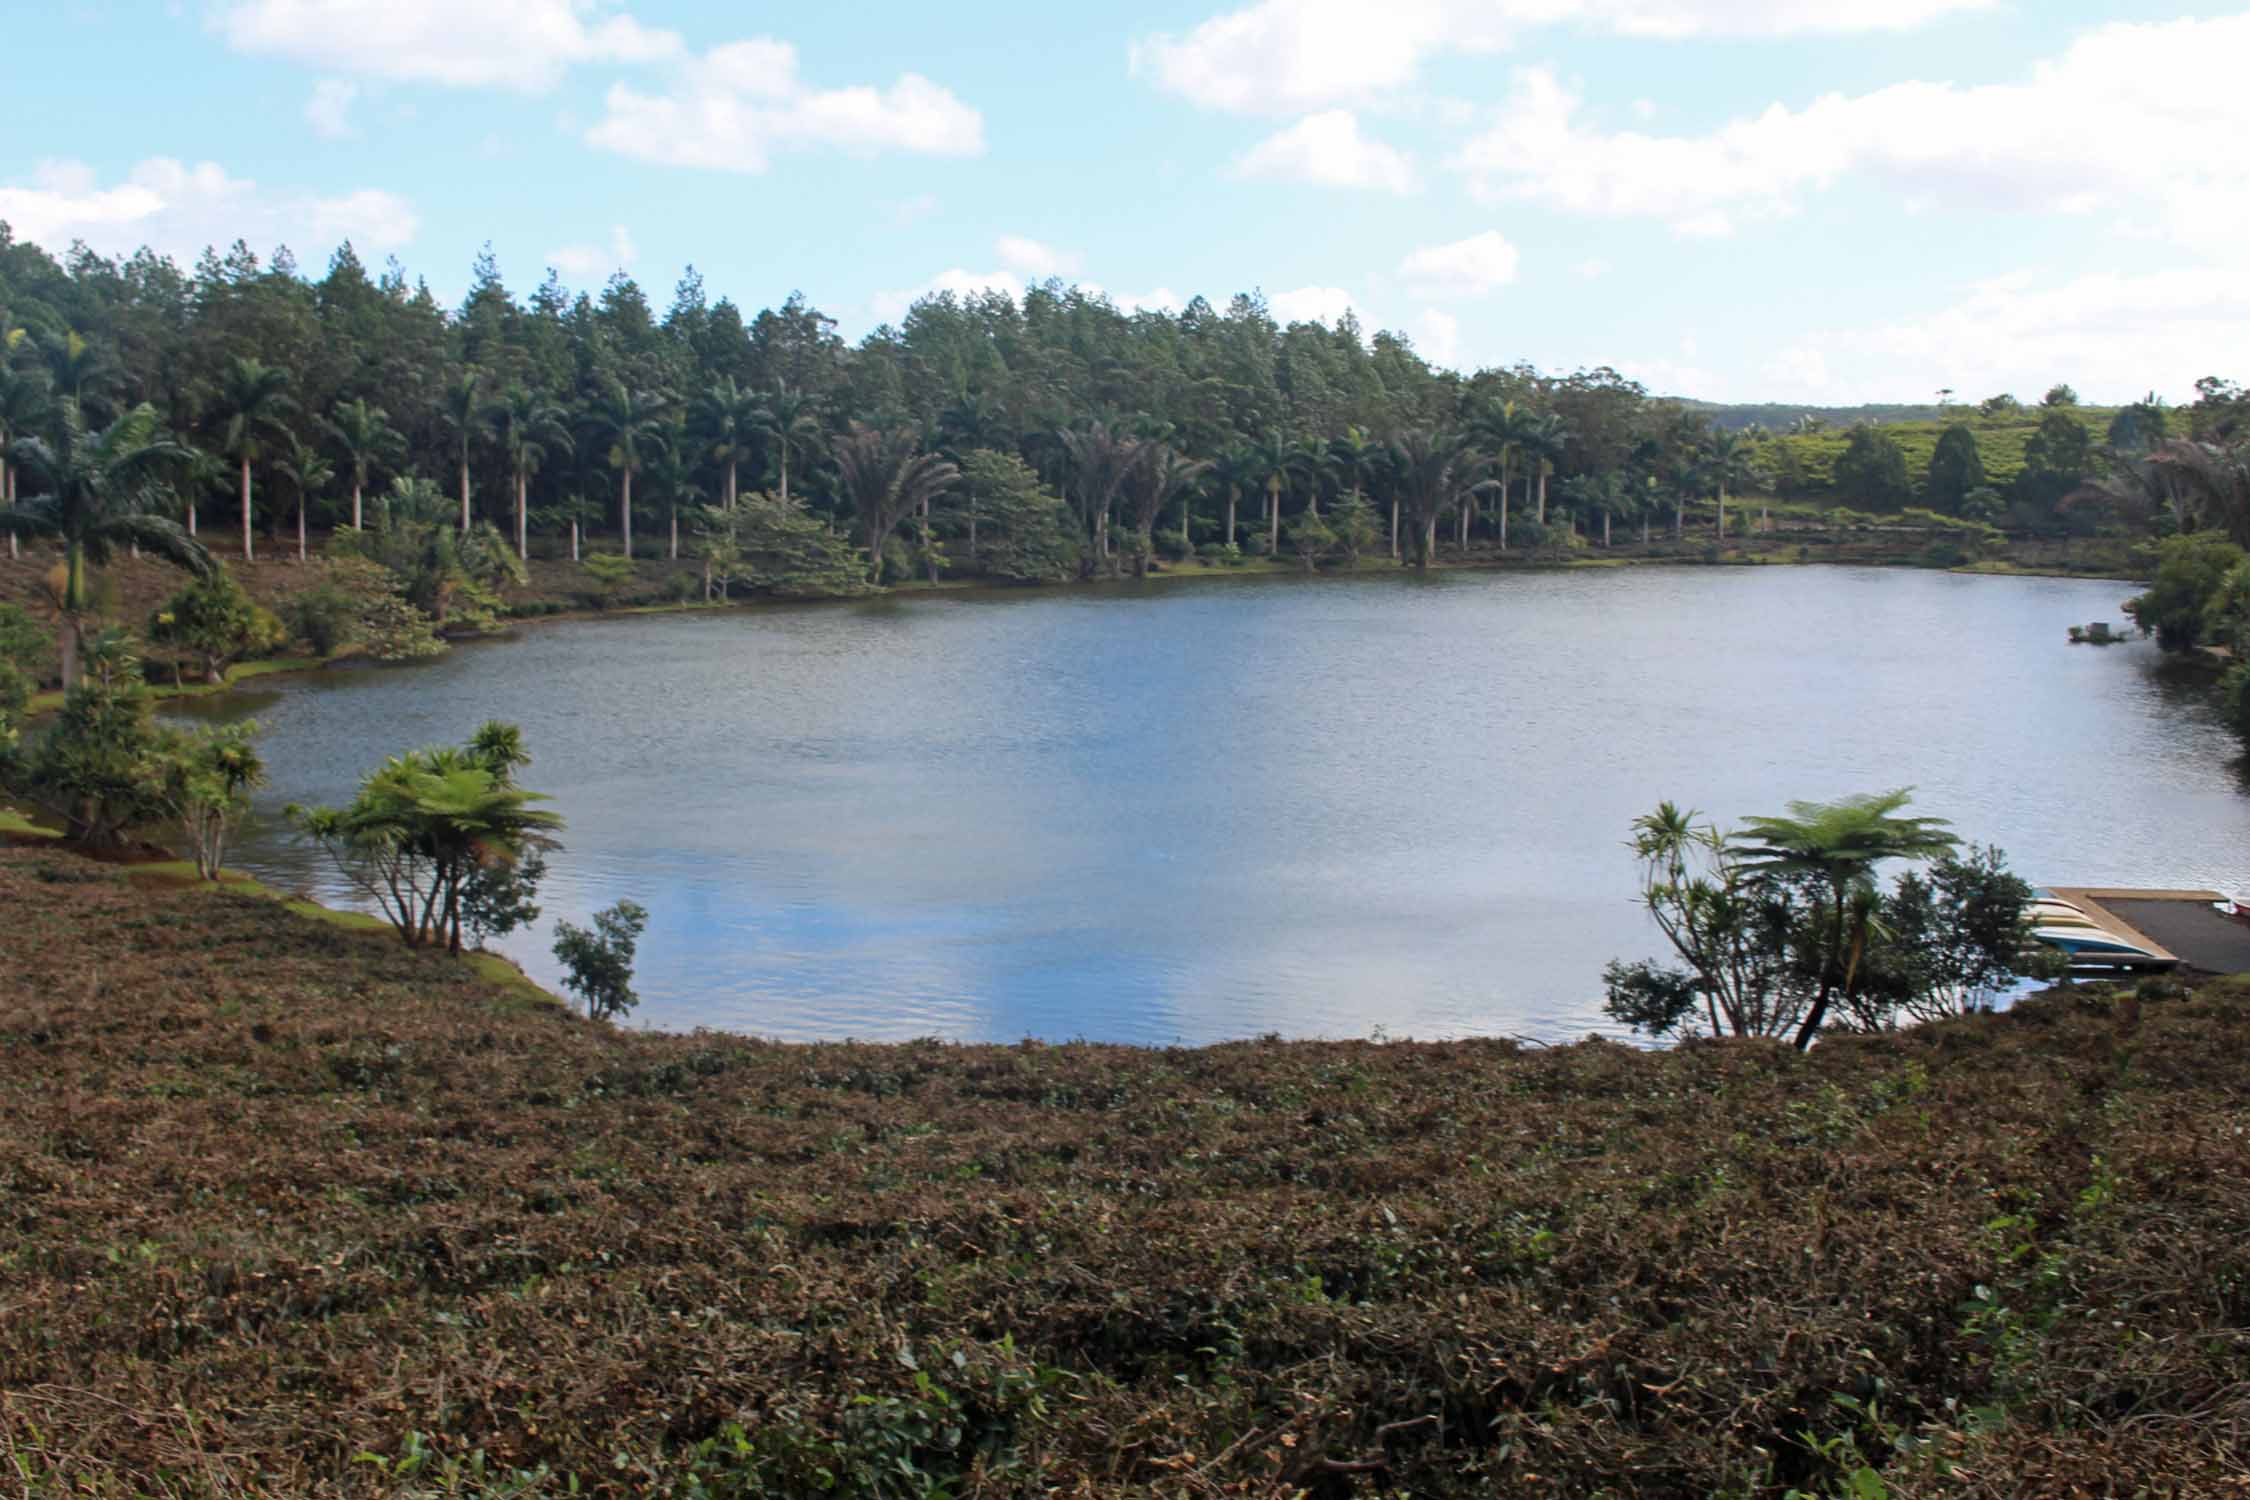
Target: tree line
(290,403)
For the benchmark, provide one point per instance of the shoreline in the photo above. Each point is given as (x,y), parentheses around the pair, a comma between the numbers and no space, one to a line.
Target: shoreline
(47,701)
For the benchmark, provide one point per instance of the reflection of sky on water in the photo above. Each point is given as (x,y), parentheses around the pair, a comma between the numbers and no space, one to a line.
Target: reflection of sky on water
(1190,812)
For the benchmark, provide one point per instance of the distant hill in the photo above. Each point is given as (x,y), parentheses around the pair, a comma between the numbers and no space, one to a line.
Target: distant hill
(1778,416)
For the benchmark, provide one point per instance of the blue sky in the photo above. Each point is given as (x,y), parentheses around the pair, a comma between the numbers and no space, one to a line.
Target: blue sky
(1803,200)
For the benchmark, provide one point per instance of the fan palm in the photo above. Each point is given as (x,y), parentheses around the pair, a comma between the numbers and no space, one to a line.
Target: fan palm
(253,399)
(888,477)
(791,417)
(1101,459)
(531,430)
(95,490)
(1161,476)
(2212,481)
(630,425)
(1836,846)
(367,439)
(1434,471)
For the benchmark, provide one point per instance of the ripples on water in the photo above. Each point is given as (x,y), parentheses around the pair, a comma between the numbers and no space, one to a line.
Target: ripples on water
(1193,811)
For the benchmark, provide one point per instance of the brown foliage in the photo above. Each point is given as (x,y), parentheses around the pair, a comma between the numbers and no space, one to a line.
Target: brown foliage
(273,1197)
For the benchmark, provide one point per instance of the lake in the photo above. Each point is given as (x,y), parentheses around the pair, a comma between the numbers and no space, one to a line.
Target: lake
(1191,811)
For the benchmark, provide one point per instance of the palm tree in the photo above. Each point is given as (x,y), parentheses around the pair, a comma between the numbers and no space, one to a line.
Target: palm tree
(1836,846)
(887,477)
(628,422)
(1501,429)
(1606,492)
(1353,456)
(1277,460)
(1731,462)
(572,510)
(1101,459)
(23,406)
(467,411)
(672,476)
(2212,482)
(1235,472)
(791,417)
(1161,475)
(308,471)
(75,362)
(94,490)
(1544,440)
(728,421)
(367,438)
(253,397)
(1435,471)
(531,429)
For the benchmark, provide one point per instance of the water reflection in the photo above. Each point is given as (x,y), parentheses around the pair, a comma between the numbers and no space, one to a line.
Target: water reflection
(1188,812)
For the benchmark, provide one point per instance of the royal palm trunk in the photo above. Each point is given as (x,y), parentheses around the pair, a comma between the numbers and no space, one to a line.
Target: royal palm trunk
(248,554)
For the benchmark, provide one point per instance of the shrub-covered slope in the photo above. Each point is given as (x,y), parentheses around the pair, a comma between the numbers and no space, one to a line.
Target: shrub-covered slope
(288,1210)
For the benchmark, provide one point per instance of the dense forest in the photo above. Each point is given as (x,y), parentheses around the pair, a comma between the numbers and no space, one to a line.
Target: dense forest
(563,412)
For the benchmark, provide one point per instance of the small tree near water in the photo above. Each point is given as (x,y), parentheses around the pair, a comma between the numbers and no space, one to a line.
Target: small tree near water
(599,964)
(1782,929)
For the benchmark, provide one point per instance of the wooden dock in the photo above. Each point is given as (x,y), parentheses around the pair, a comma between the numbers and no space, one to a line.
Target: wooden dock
(2106,907)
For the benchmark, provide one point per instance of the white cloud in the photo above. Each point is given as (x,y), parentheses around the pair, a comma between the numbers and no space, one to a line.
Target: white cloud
(1034,259)
(589,261)
(517,44)
(369,217)
(1328,149)
(328,111)
(2113,334)
(1474,267)
(1310,304)
(1287,56)
(889,307)
(1162,299)
(1593,268)
(2135,121)
(1437,335)
(178,210)
(736,105)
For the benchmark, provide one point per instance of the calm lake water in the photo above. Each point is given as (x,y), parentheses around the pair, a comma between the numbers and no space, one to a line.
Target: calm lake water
(1196,811)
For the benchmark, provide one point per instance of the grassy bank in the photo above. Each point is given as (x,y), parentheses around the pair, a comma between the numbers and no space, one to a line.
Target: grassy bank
(286,1209)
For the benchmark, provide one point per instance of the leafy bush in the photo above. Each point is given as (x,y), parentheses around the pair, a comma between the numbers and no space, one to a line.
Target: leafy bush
(217,624)
(323,617)
(598,965)
(2184,606)
(608,572)
(104,766)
